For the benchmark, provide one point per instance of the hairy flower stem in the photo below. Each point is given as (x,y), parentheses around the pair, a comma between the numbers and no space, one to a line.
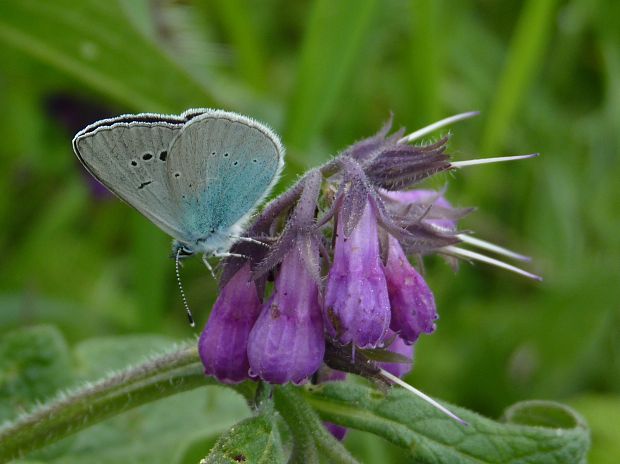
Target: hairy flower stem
(159,377)
(311,438)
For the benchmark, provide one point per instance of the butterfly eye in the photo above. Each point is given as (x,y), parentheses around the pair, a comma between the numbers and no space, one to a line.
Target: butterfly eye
(186,251)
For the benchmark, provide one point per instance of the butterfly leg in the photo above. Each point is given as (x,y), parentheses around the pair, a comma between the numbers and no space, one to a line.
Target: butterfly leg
(230,255)
(248,240)
(205,260)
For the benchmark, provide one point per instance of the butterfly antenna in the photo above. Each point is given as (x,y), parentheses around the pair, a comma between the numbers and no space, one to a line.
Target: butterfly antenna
(178,273)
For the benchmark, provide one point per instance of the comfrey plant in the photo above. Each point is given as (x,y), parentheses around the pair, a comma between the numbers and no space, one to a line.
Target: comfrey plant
(322,286)
(337,247)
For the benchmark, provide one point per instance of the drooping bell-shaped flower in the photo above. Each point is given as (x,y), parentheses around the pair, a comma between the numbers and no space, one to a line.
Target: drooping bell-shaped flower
(357,307)
(411,300)
(223,342)
(399,346)
(287,343)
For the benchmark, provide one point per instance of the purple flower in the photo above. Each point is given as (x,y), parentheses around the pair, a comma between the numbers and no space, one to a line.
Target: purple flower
(399,346)
(287,343)
(429,197)
(338,431)
(223,343)
(357,307)
(412,302)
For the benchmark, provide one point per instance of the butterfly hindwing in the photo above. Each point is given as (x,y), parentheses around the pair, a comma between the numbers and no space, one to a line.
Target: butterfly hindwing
(220,167)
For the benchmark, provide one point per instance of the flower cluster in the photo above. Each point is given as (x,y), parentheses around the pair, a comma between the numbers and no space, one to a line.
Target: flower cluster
(325,269)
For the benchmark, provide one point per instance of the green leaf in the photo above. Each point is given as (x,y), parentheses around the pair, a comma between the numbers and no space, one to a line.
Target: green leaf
(97,44)
(254,440)
(554,433)
(196,449)
(89,404)
(34,364)
(174,428)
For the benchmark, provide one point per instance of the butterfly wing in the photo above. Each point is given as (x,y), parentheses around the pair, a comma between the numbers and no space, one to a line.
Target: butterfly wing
(220,167)
(129,155)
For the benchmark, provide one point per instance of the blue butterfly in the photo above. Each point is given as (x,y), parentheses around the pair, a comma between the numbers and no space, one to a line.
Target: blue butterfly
(197,176)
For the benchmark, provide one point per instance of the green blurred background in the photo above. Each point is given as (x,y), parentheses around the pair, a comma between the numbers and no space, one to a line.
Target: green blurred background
(92,274)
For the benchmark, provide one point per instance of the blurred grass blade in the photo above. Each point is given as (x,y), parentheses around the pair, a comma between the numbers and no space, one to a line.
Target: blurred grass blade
(526,50)
(96,44)
(425,58)
(151,273)
(334,39)
(236,21)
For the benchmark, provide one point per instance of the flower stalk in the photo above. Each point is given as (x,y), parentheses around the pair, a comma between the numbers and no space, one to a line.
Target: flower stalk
(162,376)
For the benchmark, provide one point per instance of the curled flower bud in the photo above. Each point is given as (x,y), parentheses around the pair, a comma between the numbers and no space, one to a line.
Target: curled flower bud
(412,302)
(287,343)
(357,307)
(223,342)
(399,346)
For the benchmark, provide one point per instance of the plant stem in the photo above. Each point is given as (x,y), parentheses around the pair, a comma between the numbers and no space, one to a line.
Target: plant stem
(311,437)
(157,378)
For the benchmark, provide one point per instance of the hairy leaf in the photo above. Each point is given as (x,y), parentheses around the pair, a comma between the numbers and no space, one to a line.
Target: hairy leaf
(535,431)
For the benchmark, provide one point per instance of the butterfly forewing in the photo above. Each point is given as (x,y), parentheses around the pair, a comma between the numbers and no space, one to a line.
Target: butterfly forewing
(129,156)
(220,166)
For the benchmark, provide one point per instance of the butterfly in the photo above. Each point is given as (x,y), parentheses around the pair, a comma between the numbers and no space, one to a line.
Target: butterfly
(198,176)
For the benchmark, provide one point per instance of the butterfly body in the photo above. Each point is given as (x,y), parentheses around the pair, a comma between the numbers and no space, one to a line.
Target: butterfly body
(197,176)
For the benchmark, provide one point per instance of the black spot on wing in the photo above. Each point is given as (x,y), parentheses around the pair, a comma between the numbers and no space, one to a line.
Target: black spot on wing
(144,184)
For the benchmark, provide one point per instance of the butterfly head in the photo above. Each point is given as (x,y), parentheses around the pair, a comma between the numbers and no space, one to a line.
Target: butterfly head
(216,243)
(182,250)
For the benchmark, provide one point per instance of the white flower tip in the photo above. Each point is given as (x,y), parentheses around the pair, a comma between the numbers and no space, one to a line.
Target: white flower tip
(496,159)
(464,253)
(469,114)
(437,125)
(483,244)
(423,396)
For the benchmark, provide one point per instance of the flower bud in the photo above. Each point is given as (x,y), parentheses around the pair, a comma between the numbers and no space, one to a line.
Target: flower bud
(412,302)
(223,342)
(287,343)
(357,307)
